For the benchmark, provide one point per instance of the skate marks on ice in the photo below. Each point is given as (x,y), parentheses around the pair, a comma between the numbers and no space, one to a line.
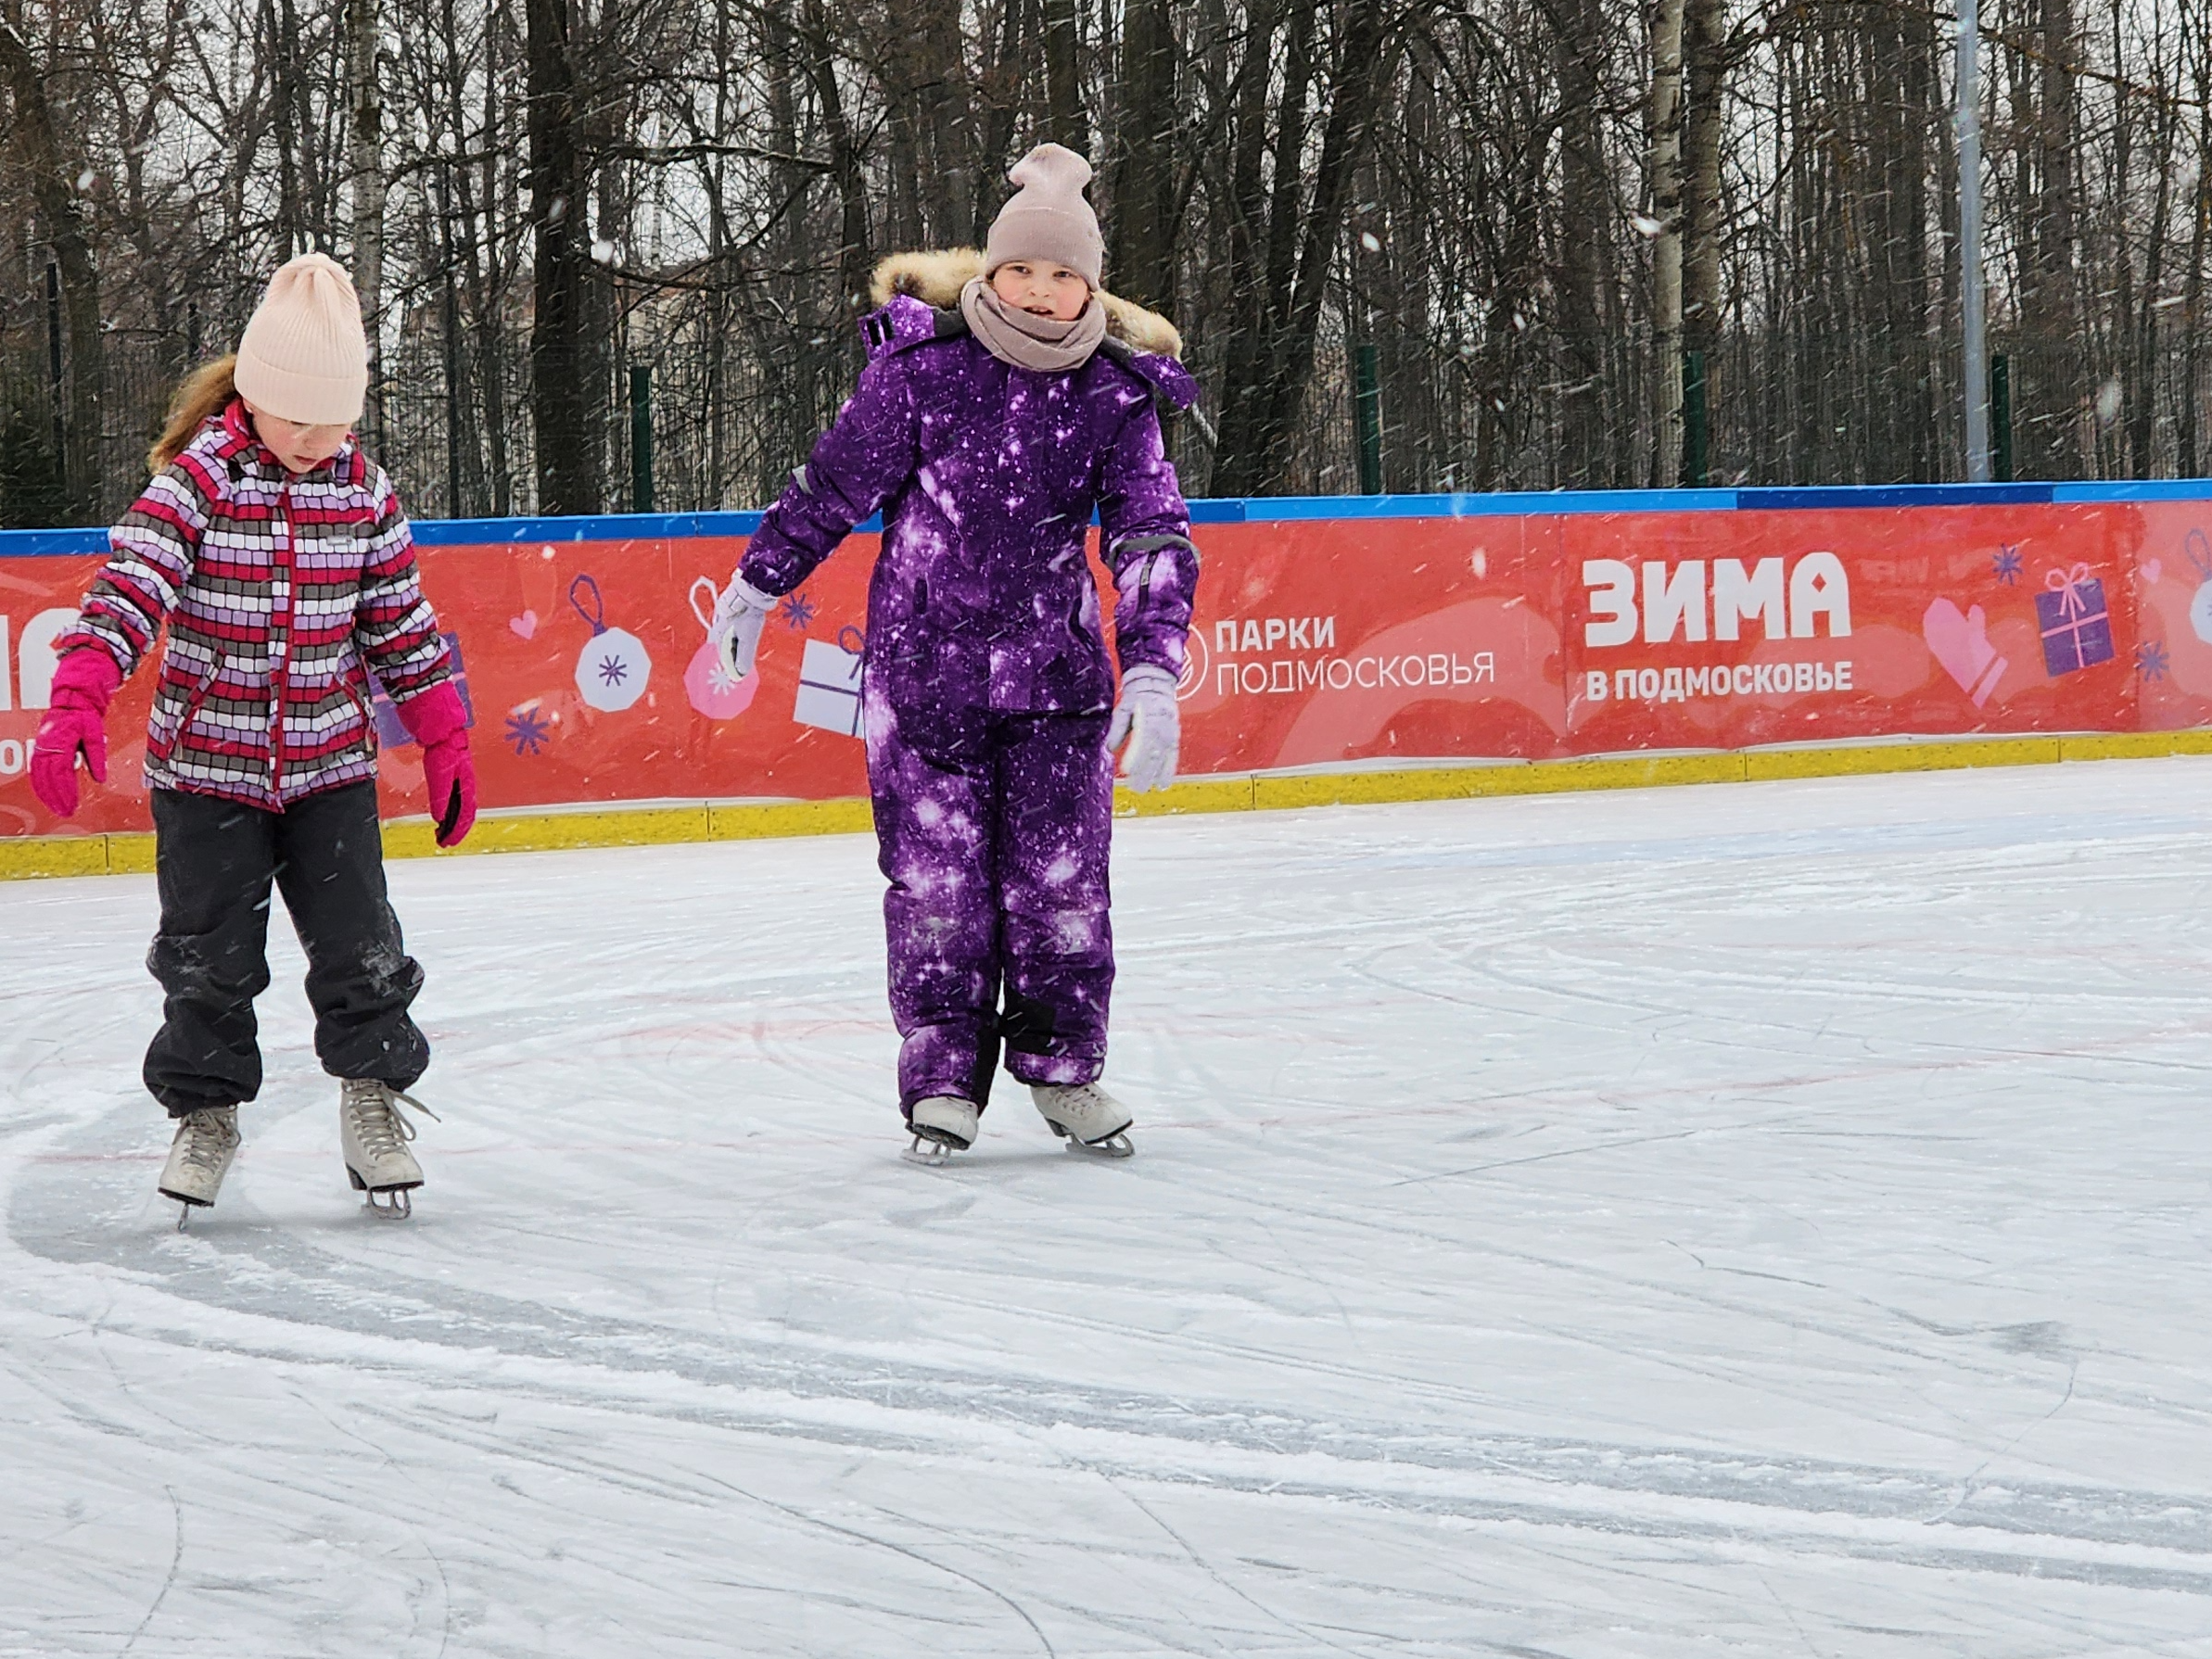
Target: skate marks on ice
(1452,1092)
(847,1457)
(278,1275)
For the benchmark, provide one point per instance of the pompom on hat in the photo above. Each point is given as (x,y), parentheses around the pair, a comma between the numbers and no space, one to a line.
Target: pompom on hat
(1047,220)
(304,356)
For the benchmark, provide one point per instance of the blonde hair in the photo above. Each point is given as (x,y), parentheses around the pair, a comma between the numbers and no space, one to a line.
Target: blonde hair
(206,391)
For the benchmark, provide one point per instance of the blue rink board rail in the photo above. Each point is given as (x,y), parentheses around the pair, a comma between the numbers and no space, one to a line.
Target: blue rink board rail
(630,526)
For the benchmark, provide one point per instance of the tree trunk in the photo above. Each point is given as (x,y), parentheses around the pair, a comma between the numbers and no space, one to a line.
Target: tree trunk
(491,311)
(1705,48)
(998,95)
(1063,85)
(1144,196)
(1270,368)
(947,96)
(1666,245)
(2192,292)
(1584,227)
(53,174)
(854,264)
(368,200)
(1908,183)
(2143,389)
(2054,325)
(564,406)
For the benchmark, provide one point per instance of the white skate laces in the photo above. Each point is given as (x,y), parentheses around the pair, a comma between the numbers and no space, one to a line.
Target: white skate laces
(1086,1116)
(199,1157)
(374,1133)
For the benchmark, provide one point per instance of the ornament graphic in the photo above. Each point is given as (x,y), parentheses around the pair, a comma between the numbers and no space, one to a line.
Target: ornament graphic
(2200,607)
(714,691)
(613,668)
(528,729)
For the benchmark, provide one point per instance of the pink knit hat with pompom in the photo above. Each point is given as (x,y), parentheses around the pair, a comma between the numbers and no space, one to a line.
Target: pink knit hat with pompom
(303,356)
(1047,220)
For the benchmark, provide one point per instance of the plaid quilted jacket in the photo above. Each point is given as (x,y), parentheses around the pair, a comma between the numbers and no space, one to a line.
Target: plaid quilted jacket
(281,592)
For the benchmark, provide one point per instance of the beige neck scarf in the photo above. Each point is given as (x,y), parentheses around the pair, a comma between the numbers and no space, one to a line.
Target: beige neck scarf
(1043,344)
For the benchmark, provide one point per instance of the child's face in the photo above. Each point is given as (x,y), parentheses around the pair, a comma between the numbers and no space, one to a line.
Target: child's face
(1045,290)
(301,449)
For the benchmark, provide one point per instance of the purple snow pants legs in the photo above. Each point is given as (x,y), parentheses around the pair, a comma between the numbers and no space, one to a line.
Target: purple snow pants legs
(993,830)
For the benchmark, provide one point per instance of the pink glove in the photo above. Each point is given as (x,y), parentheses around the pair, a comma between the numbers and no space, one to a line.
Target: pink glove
(83,682)
(1962,645)
(439,724)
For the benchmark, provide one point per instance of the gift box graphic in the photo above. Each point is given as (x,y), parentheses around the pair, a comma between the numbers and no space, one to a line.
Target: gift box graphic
(2077,629)
(390,732)
(830,684)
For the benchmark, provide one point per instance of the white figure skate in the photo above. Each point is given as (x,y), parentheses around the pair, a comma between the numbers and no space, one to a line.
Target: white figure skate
(1086,1116)
(199,1159)
(942,1125)
(373,1133)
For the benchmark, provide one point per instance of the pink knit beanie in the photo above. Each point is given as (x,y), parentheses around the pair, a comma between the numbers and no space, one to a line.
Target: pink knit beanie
(1047,220)
(303,356)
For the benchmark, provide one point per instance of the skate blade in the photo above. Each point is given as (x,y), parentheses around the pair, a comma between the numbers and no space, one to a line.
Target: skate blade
(185,1206)
(397,1204)
(1107,1146)
(929,1154)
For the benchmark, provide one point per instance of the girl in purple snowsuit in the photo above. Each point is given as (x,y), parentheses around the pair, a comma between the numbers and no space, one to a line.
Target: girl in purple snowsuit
(1006,399)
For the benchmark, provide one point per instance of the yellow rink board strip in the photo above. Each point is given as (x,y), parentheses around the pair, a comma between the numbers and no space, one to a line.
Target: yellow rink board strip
(660,826)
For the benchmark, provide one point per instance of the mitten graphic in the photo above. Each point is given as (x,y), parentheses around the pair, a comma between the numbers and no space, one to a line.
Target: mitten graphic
(1962,645)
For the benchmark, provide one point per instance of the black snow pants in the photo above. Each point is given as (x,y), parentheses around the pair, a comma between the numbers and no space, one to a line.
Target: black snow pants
(214,862)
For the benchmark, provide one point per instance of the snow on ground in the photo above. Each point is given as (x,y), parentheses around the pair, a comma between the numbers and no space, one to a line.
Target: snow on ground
(1748,1219)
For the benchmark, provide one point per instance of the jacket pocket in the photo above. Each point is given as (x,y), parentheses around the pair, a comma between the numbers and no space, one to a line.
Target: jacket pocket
(358,696)
(160,746)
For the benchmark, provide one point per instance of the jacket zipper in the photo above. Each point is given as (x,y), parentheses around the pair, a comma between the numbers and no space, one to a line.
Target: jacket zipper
(280,619)
(1144,581)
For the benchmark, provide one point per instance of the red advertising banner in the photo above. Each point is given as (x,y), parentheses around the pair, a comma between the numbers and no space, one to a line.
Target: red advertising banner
(1317,642)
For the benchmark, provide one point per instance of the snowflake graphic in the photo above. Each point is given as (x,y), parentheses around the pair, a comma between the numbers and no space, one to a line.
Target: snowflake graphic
(799,611)
(613,671)
(527,730)
(2004,565)
(2150,660)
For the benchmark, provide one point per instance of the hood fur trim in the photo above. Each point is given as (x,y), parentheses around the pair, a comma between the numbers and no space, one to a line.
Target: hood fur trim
(936,278)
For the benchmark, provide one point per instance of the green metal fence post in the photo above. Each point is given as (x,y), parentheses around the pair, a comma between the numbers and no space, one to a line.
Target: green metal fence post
(2001,416)
(1366,416)
(640,438)
(1696,428)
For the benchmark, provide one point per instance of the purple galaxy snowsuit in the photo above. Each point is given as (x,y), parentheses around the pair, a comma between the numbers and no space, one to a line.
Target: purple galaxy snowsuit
(985,687)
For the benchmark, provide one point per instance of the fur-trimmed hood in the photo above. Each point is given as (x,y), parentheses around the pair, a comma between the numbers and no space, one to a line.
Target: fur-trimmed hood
(936,278)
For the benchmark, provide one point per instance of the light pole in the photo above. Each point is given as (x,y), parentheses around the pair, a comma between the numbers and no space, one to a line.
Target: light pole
(1970,290)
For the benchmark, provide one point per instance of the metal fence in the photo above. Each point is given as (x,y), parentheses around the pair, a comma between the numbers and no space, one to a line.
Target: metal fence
(726,408)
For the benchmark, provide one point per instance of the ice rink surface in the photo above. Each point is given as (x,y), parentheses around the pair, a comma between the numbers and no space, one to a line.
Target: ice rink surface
(1759,1220)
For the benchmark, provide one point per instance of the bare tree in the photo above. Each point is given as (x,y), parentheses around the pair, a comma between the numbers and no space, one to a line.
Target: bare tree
(1496,225)
(57,178)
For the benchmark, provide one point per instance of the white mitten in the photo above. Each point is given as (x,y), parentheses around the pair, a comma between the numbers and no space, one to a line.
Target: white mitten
(739,616)
(1148,718)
